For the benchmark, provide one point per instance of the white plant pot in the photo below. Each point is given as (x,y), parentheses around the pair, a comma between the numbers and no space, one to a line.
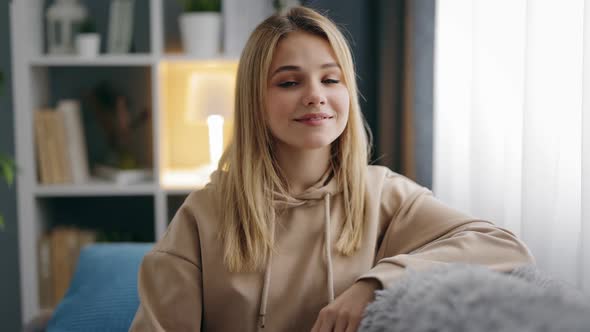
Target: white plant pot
(201,33)
(88,44)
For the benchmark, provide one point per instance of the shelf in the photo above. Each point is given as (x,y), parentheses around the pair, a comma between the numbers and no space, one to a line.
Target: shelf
(102,60)
(95,187)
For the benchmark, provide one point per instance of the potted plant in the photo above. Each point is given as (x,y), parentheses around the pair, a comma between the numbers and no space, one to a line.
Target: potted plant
(87,39)
(200,27)
(7,164)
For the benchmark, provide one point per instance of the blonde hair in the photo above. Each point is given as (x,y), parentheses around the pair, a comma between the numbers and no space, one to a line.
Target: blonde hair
(251,176)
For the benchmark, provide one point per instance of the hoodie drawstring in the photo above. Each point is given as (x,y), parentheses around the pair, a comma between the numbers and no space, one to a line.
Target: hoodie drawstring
(266,284)
(264,295)
(328,245)
(329,276)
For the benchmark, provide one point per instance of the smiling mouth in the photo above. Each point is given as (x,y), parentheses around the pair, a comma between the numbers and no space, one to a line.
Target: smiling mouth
(314,118)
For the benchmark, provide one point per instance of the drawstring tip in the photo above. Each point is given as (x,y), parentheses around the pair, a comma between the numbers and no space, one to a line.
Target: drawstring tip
(261,321)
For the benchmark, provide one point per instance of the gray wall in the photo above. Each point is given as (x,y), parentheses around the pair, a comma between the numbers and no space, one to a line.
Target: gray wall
(9,277)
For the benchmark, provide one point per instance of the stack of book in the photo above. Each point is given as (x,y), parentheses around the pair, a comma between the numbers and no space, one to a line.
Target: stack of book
(61,146)
(120,26)
(58,257)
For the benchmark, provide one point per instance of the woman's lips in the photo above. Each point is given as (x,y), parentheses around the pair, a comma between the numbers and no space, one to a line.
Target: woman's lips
(314,119)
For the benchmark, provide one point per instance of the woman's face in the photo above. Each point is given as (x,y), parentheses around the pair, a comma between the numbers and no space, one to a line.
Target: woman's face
(307,102)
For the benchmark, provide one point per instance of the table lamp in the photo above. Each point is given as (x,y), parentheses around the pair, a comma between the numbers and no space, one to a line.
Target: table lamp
(210,99)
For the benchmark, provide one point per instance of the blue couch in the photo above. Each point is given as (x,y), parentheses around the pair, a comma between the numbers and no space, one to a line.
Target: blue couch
(103,292)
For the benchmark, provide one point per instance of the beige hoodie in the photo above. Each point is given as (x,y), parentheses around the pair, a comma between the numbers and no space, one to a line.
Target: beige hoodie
(184,286)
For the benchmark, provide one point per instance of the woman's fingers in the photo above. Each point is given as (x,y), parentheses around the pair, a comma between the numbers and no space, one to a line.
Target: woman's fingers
(328,319)
(316,326)
(346,312)
(341,323)
(353,325)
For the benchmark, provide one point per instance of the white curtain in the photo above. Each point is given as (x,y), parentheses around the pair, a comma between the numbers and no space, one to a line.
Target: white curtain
(512,122)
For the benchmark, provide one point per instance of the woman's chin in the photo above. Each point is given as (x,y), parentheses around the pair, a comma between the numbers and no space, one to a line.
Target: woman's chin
(315,144)
(308,143)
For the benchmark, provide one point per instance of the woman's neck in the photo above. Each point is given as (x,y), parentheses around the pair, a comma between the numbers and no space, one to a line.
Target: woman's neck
(303,168)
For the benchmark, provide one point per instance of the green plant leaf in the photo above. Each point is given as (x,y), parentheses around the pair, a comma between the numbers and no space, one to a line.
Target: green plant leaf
(7,168)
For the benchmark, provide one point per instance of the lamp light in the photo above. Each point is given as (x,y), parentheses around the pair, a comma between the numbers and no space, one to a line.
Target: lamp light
(210,99)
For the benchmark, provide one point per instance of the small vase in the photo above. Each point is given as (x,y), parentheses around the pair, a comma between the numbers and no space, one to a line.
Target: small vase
(88,44)
(201,34)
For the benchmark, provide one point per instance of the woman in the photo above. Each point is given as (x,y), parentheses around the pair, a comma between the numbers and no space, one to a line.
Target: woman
(295,231)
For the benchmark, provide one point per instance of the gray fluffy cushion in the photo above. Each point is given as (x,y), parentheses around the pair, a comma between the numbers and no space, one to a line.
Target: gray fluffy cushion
(458,297)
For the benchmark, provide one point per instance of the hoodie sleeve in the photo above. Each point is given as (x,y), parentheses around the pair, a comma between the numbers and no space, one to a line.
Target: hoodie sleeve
(169,280)
(424,232)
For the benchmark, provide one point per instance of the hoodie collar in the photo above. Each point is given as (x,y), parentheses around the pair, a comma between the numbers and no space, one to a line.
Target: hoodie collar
(327,184)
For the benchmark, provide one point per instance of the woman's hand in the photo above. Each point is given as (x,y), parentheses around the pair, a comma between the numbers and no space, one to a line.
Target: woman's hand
(346,312)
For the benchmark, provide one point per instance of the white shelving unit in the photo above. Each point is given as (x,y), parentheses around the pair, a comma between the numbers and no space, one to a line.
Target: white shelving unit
(32,74)
(102,60)
(97,187)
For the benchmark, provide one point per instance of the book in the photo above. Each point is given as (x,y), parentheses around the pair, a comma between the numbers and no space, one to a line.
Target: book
(64,244)
(127,26)
(45,281)
(59,251)
(62,155)
(61,145)
(120,26)
(43,165)
(47,146)
(52,146)
(77,154)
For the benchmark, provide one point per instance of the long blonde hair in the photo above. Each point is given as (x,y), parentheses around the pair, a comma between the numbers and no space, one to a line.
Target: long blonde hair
(251,176)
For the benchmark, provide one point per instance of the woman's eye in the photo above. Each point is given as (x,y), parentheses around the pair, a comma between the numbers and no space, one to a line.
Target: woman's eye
(287,84)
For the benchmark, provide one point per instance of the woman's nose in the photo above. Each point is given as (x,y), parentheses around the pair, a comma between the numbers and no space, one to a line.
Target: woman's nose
(314,96)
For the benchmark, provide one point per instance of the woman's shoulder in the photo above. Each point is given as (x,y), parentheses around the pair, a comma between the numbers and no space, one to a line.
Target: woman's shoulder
(388,191)
(201,202)
(195,218)
(386,181)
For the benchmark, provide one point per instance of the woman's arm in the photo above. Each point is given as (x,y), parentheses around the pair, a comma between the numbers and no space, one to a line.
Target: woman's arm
(170,284)
(424,232)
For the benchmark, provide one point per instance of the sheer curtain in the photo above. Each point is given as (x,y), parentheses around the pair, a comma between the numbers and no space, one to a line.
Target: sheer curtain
(512,122)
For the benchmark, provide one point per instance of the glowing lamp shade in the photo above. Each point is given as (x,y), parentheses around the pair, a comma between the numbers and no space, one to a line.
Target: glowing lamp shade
(210,99)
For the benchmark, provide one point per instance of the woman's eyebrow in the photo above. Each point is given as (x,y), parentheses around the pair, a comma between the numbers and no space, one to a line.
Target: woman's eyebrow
(297,68)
